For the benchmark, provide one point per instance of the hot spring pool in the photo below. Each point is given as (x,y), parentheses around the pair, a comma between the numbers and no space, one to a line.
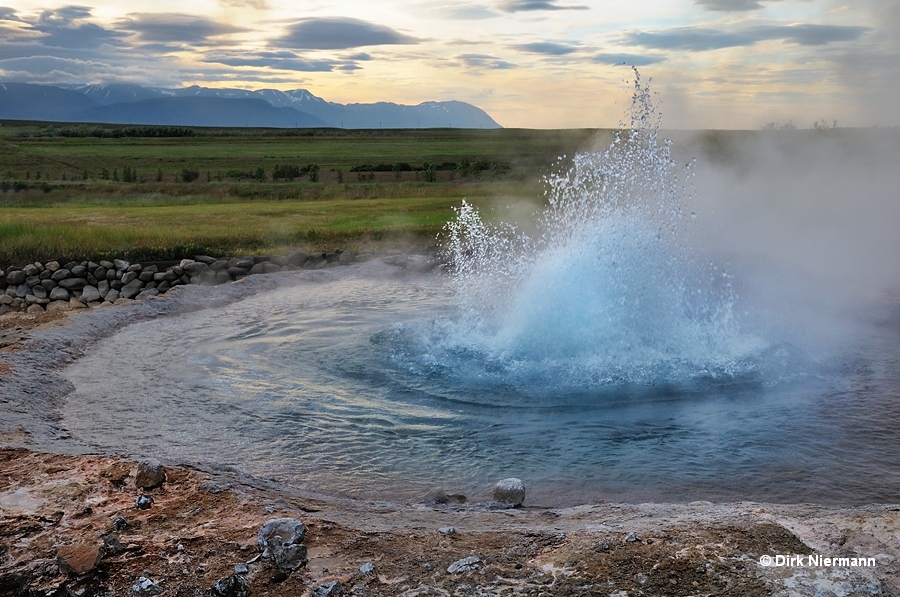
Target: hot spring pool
(346,382)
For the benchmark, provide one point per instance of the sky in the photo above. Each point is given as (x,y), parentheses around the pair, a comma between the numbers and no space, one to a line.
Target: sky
(735,64)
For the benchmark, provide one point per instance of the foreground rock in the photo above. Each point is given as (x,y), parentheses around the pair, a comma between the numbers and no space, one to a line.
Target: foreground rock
(509,493)
(193,542)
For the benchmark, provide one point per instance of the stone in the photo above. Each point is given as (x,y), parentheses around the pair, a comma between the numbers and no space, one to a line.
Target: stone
(120,265)
(332,588)
(631,538)
(245,262)
(218,265)
(222,276)
(89,294)
(144,587)
(146,276)
(436,496)
(297,257)
(207,278)
(271,268)
(100,272)
(39,291)
(231,586)
(22,290)
(31,270)
(367,568)
(60,305)
(79,271)
(449,531)
(509,492)
(92,279)
(131,289)
(112,274)
(144,502)
(279,260)
(69,265)
(103,287)
(60,274)
(107,264)
(163,286)
(51,266)
(237,272)
(120,524)
(112,296)
(32,281)
(205,259)
(5,299)
(134,267)
(129,276)
(347,257)
(363,257)
(241,569)
(194,268)
(15,277)
(149,474)
(73,283)
(34,309)
(162,276)
(74,303)
(282,538)
(45,275)
(76,560)
(48,285)
(464,565)
(259,268)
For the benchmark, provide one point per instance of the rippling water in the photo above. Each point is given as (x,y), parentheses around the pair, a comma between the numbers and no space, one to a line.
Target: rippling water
(326,385)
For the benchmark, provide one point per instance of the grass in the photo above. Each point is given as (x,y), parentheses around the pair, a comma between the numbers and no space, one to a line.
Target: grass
(60,201)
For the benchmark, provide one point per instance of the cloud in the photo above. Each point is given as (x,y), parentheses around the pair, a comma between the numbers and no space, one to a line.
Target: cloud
(54,69)
(456,12)
(484,61)
(62,28)
(699,39)
(547,47)
(8,14)
(729,5)
(174,27)
(257,4)
(340,33)
(628,59)
(528,5)
(283,60)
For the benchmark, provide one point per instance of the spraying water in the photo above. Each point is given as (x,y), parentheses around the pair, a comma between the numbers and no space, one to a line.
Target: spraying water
(608,291)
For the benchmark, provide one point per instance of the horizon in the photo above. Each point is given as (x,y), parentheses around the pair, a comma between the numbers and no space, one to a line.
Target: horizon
(548,64)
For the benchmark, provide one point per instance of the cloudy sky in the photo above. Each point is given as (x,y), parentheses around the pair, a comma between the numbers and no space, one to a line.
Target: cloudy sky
(529,63)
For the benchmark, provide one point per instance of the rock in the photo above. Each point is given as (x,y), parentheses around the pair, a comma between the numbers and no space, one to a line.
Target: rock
(241,569)
(59,294)
(146,293)
(367,568)
(112,296)
(509,492)
(5,299)
(146,276)
(58,275)
(22,290)
(120,524)
(48,285)
(464,565)
(150,474)
(39,292)
(259,268)
(32,281)
(145,587)
(31,270)
(73,283)
(347,257)
(90,294)
(76,560)
(55,306)
(218,264)
(279,260)
(332,588)
(205,259)
(278,577)
(631,538)
(131,289)
(34,309)
(222,276)
(281,538)
(163,276)
(231,586)
(237,272)
(144,502)
(100,272)
(129,276)
(134,267)
(449,531)
(15,277)
(120,265)
(51,266)
(79,271)
(297,257)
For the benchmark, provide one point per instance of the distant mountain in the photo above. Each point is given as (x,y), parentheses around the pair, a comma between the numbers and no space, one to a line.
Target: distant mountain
(201,111)
(114,103)
(22,101)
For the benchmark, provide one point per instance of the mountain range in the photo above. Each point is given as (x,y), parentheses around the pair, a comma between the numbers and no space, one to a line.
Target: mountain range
(203,106)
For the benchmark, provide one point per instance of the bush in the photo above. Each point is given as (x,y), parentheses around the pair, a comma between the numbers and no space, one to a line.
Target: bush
(188,175)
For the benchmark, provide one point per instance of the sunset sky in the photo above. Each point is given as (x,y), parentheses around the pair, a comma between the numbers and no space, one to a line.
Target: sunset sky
(528,63)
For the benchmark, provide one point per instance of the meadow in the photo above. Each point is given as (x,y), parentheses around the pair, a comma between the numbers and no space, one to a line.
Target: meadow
(144,193)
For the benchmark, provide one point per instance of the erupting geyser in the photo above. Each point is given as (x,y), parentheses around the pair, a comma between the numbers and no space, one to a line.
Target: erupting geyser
(608,290)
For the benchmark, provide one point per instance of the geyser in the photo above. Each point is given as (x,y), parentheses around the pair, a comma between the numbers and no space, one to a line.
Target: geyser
(607,354)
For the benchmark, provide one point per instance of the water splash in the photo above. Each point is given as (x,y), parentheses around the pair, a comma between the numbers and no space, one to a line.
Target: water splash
(608,291)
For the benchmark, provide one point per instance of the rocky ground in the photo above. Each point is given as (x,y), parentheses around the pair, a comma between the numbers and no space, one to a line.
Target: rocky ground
(71,526)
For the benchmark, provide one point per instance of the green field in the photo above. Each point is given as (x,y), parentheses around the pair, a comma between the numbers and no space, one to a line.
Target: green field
(93,194)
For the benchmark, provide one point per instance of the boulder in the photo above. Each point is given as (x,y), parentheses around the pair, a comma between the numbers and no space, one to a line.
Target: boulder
(231,586)
(73,283)
(59,294)
(332,588)
(90,294)
(149,474)
(131,289)
(15,277)
(129,276)
(282,538)
(60,274)
(144,587)
(51,266)
(464,565)
(509,492)
(31,270)
(79,271)
(76,560)
(112,296)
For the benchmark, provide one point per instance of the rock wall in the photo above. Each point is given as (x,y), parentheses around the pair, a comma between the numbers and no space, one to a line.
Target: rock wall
(53,285)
